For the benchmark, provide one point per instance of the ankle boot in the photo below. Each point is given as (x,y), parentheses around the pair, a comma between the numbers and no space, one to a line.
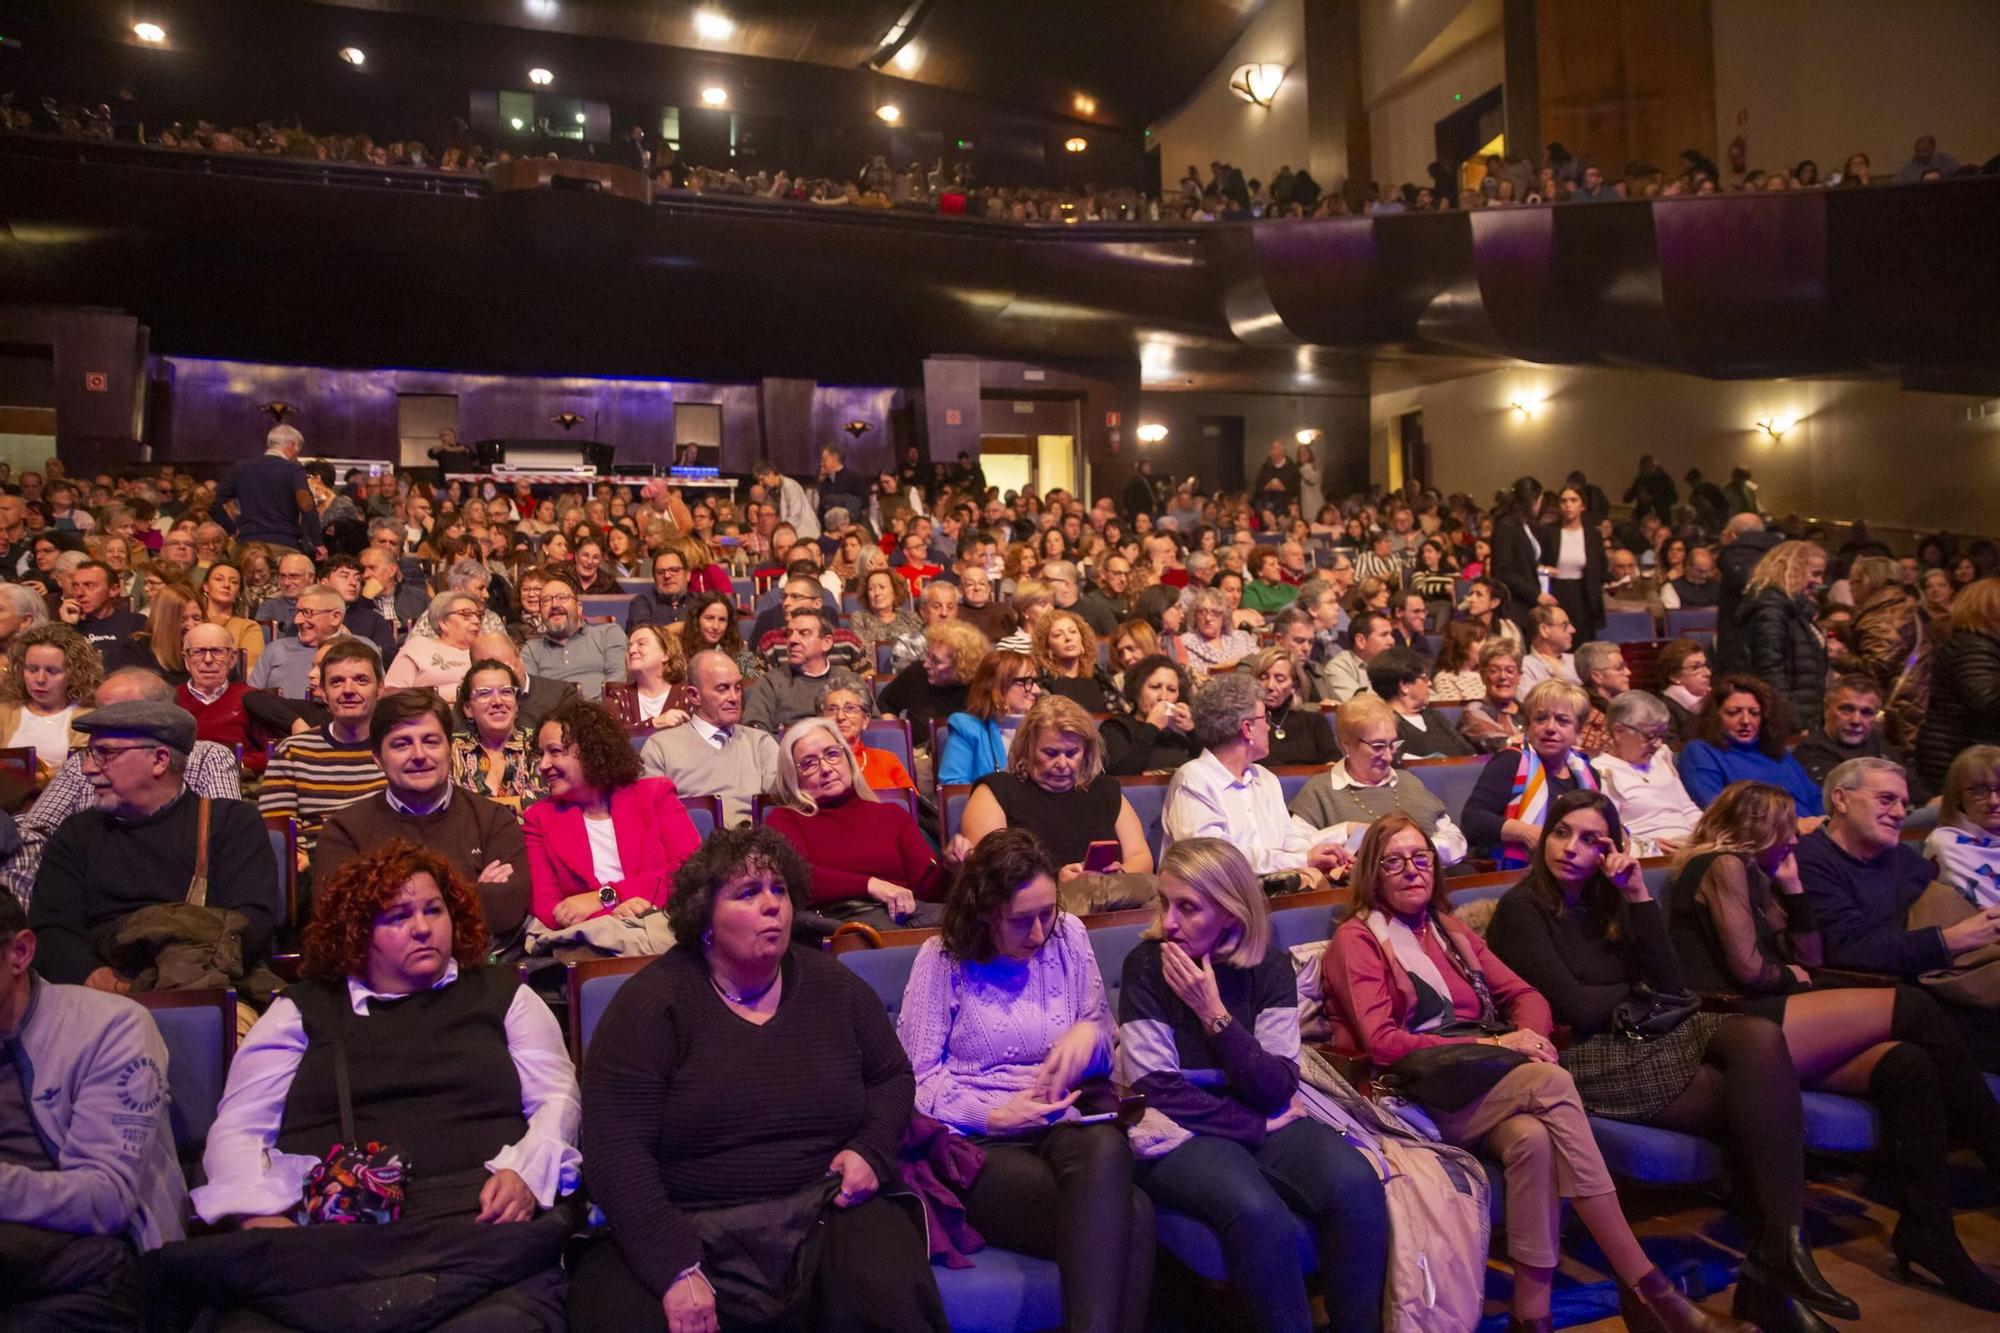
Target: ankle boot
(1656,1305)
(1787,1266)
(1971,1112)
(1774,1310)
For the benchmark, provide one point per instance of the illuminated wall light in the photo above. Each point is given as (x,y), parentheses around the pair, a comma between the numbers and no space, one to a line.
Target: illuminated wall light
(714,96)
(1528,408)
(712,25)
(354,56)
(908,57)
(149,32)
(581,118)
(1307,436)
(1075,145)
(1152,433)
(515,121)
(889,112)
(540,77)
(1084,104)
(1257,83)
(1777,424)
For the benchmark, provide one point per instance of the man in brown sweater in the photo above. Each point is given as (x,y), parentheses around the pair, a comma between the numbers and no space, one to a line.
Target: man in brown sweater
(411,737)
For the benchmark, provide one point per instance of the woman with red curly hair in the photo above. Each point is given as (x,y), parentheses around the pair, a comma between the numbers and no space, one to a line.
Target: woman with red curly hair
(453,1064)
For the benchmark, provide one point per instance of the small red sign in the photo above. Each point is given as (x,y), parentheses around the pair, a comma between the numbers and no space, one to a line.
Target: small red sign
(1110,418)
(96,381)
(953,417)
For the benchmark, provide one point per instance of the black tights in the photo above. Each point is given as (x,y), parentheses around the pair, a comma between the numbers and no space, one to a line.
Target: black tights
(1969,1109)
(1746,1094)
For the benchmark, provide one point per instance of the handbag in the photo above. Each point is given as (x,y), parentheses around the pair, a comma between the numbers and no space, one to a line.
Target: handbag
(1448,1078)
(354,1183)
(1972,979)
(1646,1014)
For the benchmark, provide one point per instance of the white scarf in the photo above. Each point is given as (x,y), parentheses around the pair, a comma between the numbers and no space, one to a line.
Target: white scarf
(1409,951)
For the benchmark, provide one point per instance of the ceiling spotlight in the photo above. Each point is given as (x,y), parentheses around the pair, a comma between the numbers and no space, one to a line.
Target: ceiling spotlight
(1075,145)
(1085,104)
(581,118)
(714,96)
(908,56)
(712,25)
(1152,433)
(1257,84)
(149,32)
(889,112)
(540,77)
(354,55)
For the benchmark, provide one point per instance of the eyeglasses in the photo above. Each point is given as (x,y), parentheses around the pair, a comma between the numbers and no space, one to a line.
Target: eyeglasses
(209,652)
(1390,746)
(845,710)
(1396,863)
(488,693)
(824,761)
(1652,736)
(1980,791)
(1028,683)
(102,755)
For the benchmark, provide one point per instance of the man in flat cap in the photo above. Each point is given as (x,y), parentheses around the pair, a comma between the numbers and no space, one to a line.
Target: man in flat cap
(137,848)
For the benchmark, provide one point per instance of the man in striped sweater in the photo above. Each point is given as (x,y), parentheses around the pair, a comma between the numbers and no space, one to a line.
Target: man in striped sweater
(313,773)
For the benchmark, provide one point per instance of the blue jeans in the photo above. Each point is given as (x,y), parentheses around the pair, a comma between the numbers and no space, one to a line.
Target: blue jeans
(1250,1198)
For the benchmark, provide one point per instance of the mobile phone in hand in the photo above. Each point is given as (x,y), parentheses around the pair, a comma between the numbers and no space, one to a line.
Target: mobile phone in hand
(1101,856)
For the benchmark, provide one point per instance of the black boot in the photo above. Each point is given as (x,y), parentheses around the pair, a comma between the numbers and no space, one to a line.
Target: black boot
(1786,1265)
(1905,1088)
(1774,1310)
(1971,1113)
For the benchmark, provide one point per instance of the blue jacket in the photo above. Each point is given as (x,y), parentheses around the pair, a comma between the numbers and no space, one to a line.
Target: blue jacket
(1706,769)
(972,749)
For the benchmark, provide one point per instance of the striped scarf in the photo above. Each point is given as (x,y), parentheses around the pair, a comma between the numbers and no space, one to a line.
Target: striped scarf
(1530,800)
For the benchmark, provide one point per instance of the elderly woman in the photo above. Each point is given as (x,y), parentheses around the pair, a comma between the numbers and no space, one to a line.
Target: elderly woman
(21,608)
(1778,626)
(1400,676)
(815,1108)
(605,840)
(1156,732)
(454,1066)
(1740,736)
(1637,771)
(1208,1020)
(1402,975)
(655,665)
(1683,665)
(1965,846)
(1210,646)
(1133,642)
(934,687)
(1300,733)
(221,600)
(52,672)
(869,861)
(1504,813)
(976,741)
(885,617)
(495,754)
(1455,677)
(847,708)
(160,647)
(438,663)
(1004,1018)
(1493,722)
(1055,786)
(1364,785)
(467,576)
(1066,651)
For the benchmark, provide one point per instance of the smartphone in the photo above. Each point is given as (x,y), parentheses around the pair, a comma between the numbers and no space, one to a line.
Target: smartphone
(1101,856)
(1104,1119)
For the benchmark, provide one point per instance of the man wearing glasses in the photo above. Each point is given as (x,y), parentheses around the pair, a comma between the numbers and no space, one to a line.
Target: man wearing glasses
(1364,784)
(137,848)
(212,698)
(588,656)
(286,664)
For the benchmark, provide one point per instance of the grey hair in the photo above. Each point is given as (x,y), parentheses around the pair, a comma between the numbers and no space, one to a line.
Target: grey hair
(838,517)
(442,603)
(786,786)
(1850,774)
(66,564)
(1636,708)
(1595,656)
(1311,590)
(386,525)
(463,573)
(1201,560)
(1221,706)
(321,592)
(828,691)
(283,437)
(1209,599)
(27,603)
(1059,569)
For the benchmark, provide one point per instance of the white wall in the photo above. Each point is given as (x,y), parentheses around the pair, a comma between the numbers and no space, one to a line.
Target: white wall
(1414,55)
(1826,78)
(1861,449)
(1215,125)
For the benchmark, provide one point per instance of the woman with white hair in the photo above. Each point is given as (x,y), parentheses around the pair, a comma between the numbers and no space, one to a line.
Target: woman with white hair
(1638,774)
(440,660)
(20,608)
(1210,645)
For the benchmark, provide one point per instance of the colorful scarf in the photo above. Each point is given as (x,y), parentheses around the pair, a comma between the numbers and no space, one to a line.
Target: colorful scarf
(1530,800)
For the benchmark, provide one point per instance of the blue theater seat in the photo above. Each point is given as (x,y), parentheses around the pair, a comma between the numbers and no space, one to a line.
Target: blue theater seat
(705,812)
(891,734)
(199,1030)
(1627,626)
(1148,799)
(1450,780)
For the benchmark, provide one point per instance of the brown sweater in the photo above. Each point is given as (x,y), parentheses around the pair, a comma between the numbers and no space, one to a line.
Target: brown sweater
(471,832)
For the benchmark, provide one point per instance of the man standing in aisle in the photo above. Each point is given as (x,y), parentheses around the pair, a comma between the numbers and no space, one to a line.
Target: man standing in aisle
(269,498)
(793,507)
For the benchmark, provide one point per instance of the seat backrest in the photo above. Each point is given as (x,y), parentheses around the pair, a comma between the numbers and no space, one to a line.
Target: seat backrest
(887,970)
(283,831)
(1293,926)
(1111,944)
(951,804)
(1450,712)
(891,734)
(614,605)
(1293,777)
(882,652)
(199,1030)
(1148,798)
(1450,780)
(705,811)
(592,983)
(1692,622)
(1626,626)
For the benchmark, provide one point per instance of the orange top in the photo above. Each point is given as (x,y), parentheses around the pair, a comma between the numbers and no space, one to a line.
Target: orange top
(882,769)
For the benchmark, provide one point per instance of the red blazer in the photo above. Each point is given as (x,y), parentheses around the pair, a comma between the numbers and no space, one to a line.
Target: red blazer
(1369,995)
(654,836)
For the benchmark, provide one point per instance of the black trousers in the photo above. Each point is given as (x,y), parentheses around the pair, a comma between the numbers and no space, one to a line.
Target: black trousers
(874,1276)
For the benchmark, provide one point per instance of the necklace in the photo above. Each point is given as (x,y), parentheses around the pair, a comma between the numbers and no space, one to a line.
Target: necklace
(1278,726)
(746,998)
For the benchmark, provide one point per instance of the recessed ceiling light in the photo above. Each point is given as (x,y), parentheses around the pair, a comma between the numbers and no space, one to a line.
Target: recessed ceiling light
(581,118)
(712,25)
(908,56)
(890,112)
(540,76)
(715,96)
(354,55)
(149,32)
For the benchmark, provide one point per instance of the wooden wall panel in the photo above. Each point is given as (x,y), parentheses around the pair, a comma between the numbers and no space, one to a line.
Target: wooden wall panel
(1627,80)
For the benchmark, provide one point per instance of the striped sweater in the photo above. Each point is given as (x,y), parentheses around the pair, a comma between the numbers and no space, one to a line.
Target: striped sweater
(312,774)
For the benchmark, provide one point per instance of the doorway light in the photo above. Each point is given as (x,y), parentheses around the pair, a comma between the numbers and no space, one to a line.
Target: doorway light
(149,32)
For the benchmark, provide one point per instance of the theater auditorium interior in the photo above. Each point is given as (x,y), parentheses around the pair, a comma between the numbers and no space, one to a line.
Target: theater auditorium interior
(1143,666)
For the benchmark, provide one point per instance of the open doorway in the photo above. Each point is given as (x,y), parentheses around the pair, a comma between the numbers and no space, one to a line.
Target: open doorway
(1008,462)
(419,418)
(1470,132)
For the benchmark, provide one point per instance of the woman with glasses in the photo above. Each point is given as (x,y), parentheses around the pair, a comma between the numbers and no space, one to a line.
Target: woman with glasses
(1504,814)
(1492,722)
(1364,784)
(847,708)
(1400,676)
(438,662)
(1638,773)
(1965,846)
(1683,664)
(976,741)
(494,755)
(1211,646)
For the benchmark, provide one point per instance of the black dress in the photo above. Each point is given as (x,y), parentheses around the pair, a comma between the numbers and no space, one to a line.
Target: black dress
(1133,745)
(1066,822)
(1735,936)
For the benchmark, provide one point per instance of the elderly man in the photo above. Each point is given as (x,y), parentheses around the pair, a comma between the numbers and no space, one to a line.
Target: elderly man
(1066,583)
(540,695)
(1861,880)
(269,498)
(1225,792)
(383,587)
(1346,674)
(1698,585)
(89,607)
(313,773)
(1319,598)
(88,1180)
(1365,784)
(714,754)
(178,547)
(295,575)
(211,543)
(790,691)
(666,602)
(410,735)
(386,534)
(212,699)
(939,603)
(1551,633)
(1604,675)
(137,848)
(588,656)
(286,663)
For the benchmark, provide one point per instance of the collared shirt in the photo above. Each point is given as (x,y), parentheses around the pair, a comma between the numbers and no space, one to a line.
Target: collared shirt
(197,692)
(404,808)
(590,659)
(1205,800)
(1450,840)
(708,731)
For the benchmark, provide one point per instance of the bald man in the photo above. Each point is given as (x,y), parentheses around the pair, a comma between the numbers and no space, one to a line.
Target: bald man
(213,698)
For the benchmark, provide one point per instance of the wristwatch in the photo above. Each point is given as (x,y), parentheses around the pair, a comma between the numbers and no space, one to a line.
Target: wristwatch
(607,895)
(1219,1022)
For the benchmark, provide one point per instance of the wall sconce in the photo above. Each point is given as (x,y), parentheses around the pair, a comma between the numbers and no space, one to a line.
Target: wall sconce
(1256,83)
(1528,407)
(1307,436)
(1152,433)
(569,421)
(1776,425)
(857,428)
(1075,145)
(277,409)
(889,113)
(540,77)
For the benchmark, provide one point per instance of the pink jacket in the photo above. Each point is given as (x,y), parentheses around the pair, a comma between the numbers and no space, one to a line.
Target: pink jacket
(654,836)
(1369,995)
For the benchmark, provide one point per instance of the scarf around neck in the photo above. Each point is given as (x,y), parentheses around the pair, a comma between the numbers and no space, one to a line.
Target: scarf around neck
(1529,802)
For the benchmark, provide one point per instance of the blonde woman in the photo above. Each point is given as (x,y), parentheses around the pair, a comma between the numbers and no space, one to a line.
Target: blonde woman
(1778,626)
(52,672)
(160,648)
(1032,599)
(1066,651)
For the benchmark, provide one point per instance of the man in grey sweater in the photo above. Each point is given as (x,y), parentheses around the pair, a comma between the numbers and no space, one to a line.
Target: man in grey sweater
(784,694)
(714,754)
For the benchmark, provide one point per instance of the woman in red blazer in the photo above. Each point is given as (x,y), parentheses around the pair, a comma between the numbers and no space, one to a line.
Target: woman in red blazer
(604,841)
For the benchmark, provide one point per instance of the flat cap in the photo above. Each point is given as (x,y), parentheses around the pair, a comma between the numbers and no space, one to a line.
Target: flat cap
(170,725)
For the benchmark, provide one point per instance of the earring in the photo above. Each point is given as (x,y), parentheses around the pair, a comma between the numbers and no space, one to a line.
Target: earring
(708,939)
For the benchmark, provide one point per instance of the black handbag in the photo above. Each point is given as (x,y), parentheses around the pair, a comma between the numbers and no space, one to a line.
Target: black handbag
(1646,1014)
(1447,1078)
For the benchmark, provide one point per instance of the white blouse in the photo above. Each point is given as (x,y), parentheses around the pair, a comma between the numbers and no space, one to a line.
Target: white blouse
(249,1177)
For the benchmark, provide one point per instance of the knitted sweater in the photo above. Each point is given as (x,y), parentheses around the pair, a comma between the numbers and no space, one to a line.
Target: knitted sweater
(472,832)
(848,843)
(745,767)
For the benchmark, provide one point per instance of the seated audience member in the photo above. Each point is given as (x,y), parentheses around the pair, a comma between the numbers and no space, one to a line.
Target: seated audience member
(361,618)
(885,617)
(51,671)
(1964,706)
(1032,599)
(1055,786)
(1583,929)
(1267,592)
(710,625)
(847,709)
(397,601)
(977,740)
(800,591)
(1965,846)
(1292,630)
(1742,925)
(1739,737)
(1861,880)
(587,563)
(1493,722)
(213,699)
(1885,635)
(1004,1018)
(654,669)
(1300,733)
(980,607)
(1503,816)
(540,695)
(286,662)
(1848,728)
(869,860)
(140,847)
(1402,974)
(1227,793)
(1156,732)
(88,1180)
(1548,656)
(1364,784)
(932,688)
(494,754)
(295,575)
(1132,641)
(587,656)
(1638,772)
(160,647)
(317,771)
(714,754)
(1698,585)
(606,839)
(668,600)
(221,595)
(1683,665)
(438,663)
(1208,1030)
(90,608)
(1066,651)
(1400,677)
(1455,675)
(1602,669)
(409,734)
(1209,645)
(818,1104)
(455,1064)
(471,577)
(1344,675)
(788,692)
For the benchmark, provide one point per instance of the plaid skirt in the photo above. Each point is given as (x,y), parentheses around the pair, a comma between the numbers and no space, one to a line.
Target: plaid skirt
(1635,1080)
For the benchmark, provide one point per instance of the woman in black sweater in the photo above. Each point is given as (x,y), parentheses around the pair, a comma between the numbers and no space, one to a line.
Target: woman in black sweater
(1300,734)
(1158,731)
(742,1094)
(932,688)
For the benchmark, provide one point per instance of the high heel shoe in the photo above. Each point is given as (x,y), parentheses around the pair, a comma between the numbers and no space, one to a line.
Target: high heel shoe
(1792,1271)
(1934,1247)
(1655,1305)
(1773,1309)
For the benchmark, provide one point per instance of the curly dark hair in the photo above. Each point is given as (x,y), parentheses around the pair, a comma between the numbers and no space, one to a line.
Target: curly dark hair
(609,761)
(344,910)
(1777,723)
(1003,862)
(732,637)
(723,856)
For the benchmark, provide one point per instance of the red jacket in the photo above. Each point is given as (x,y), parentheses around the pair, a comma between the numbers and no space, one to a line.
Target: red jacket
(1369,995)
(654,836)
